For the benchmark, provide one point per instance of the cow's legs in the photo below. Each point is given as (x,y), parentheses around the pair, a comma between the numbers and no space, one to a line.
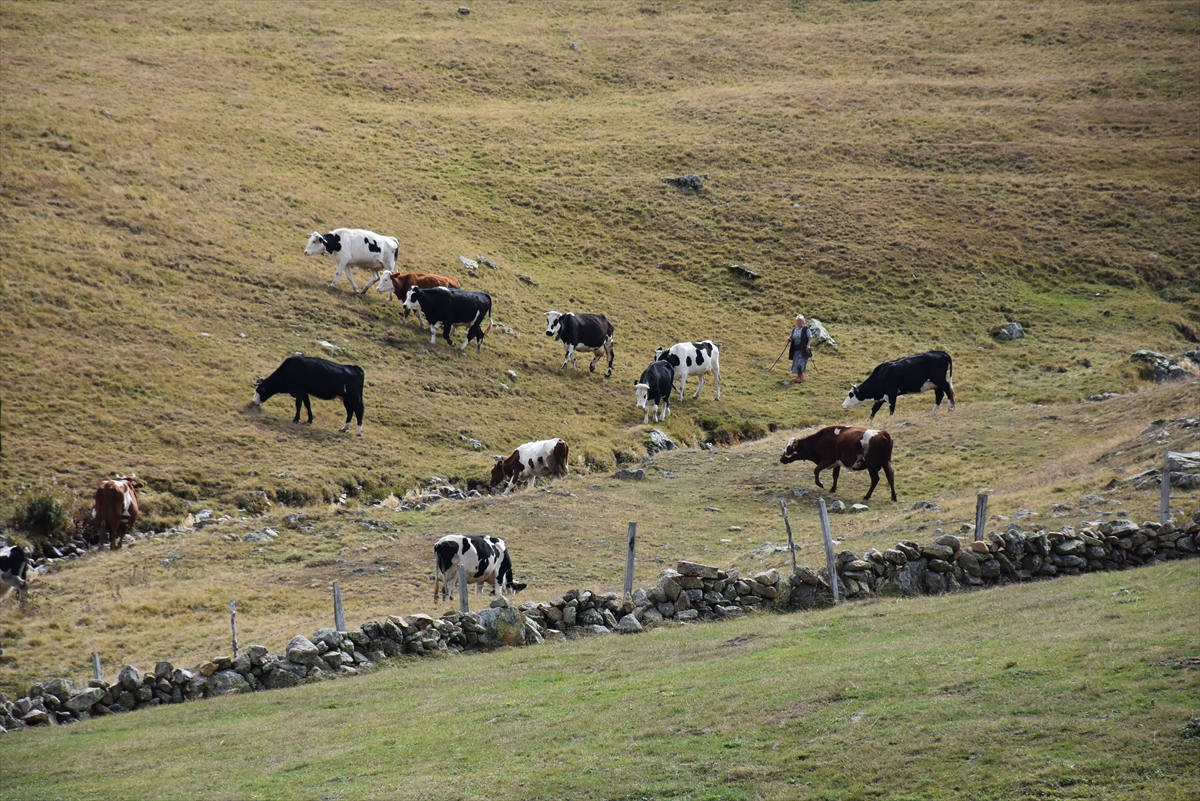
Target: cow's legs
(837,470)
(299,403)
(307,408)
(878,404)
(375,275)
(568,352)
(874,480)
(682,382)
(433,329)
(891,477)
(592,366)
(717,377)
(892,406)
(608,347)
(529,486)
(350,277)
(699,387)
(646,416)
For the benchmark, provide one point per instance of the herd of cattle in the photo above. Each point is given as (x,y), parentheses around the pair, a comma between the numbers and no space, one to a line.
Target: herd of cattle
(440,302)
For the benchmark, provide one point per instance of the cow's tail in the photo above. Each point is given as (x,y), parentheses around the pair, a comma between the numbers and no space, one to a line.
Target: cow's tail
(489,328)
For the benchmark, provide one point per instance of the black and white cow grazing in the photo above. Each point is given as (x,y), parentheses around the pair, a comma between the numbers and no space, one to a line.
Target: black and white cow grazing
(589,332)
(14,567)
(693,358)
(446,307)
(355,247)
(301,376)
(485,559)
(912,374)
(655,386)
(546,458)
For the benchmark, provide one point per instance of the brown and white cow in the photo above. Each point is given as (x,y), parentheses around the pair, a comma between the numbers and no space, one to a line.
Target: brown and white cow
(116,509)
(545,458)
(398,284)
(843,446)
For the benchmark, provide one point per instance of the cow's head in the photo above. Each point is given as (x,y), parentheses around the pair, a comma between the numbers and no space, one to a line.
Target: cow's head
(553,323)
(515,586)
(852,399)
(796,449)
(498,476)
(385,281)
(641,393)
(319,243)
(413,299)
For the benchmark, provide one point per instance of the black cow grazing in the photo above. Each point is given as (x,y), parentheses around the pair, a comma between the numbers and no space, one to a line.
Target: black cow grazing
(906,376)
(655,386)
(14,567)
(446,307)
(301,376)
(589,332)
(851,448)
(485,559)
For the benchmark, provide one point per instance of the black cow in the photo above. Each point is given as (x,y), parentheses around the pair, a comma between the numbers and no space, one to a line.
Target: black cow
(301,376)
(905,376)
(655,386)
(14,566)
(446,307)
(590,332)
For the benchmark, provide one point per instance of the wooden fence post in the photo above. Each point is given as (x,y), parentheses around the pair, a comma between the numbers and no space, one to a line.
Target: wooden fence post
(233,625)
(339,617)
(630,545)
(791,542)
(464,603)
(96,674)
(830,564)
(1164,499)
(981,502)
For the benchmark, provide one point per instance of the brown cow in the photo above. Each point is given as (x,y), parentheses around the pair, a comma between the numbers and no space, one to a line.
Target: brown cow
(545,458)
(851,448)
(116,509)
(399,284)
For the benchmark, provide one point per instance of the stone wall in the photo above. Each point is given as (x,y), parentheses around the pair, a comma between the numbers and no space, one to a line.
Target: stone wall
(688,593)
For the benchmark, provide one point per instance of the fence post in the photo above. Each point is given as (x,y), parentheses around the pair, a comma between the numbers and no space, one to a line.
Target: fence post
(96,674)
(791,543)
(631,543)
(233,625)
(1164,500)
(829,561)
(981,502)
(464,603)
(339,617)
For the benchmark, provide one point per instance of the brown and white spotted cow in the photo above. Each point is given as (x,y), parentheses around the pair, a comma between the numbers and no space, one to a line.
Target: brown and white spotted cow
(545,458)
(843,446)
(116,509)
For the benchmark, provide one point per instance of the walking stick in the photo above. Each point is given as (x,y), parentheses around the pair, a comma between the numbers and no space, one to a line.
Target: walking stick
(777,358)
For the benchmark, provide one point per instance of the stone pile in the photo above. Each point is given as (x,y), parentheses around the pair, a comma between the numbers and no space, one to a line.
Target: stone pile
(948,564)
(690,592)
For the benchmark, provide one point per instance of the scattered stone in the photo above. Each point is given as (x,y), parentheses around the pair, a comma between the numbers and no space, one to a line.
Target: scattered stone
(689,181)
(657,441)
(630,475)
(1008,332)
(837,506)
(464,11)
(302,651)
(859,507)
(820,335)
(575,46)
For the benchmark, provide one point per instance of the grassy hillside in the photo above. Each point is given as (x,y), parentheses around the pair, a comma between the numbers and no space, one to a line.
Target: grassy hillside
(910,174)
(1077,688)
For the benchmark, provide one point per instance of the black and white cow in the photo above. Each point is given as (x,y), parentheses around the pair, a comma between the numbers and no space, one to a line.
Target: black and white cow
(912,374)
(301,376)
(355,247)
(655,386)
(14,567)
(693,358)
(446,307)
(589,332)
(485,559)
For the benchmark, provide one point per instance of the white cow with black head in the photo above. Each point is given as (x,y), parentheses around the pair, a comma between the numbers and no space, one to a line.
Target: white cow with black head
(355,247)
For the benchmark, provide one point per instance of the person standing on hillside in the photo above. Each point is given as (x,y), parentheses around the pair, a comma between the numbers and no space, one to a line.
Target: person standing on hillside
(800,349)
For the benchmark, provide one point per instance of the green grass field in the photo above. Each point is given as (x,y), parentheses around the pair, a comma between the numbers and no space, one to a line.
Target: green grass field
(911,173)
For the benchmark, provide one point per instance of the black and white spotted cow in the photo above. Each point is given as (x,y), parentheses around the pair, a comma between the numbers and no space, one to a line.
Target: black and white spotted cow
(655,386)
(14,567)
(445,307)
(912,374)
(693,358)
(485,559)
(355,247)
(588,332)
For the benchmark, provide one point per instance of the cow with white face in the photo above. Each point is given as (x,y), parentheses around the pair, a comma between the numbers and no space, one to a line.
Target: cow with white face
(654,387)
(355,247)
(693,358)
(588,332)
(485,560)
